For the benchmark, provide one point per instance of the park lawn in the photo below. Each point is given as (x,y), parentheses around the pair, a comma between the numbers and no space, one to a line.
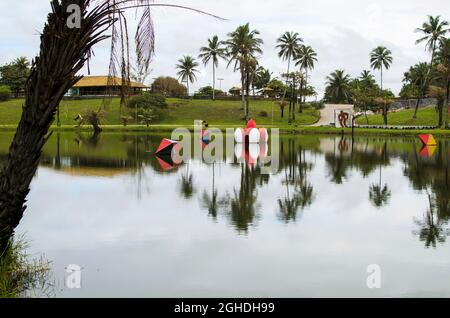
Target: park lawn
(425,117)
(179,112)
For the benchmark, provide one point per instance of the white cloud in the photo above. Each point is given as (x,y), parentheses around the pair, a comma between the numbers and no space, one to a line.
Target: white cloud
(342,33)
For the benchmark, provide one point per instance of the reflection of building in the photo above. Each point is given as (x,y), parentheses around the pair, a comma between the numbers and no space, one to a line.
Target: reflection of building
(103,85)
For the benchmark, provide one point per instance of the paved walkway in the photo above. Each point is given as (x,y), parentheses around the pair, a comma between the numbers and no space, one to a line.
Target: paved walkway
(327,114)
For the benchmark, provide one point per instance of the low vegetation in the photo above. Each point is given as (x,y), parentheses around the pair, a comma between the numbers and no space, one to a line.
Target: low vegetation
(20,276)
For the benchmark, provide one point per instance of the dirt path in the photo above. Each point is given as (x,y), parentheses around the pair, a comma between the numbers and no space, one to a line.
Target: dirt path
(327,114)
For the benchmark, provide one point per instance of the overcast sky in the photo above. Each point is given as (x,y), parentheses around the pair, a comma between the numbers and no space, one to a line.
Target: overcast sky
(342,32)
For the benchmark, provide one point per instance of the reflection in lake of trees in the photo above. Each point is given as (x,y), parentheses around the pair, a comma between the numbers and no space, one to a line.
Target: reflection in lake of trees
(110,155)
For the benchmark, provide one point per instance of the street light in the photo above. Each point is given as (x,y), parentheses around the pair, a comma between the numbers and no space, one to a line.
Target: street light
(220,83)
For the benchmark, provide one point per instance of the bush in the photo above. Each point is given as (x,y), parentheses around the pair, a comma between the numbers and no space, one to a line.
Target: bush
(5,93)
(263,114)
(157,113)
(147,101)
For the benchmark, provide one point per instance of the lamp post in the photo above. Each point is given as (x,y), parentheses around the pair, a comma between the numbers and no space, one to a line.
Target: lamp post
(220,83)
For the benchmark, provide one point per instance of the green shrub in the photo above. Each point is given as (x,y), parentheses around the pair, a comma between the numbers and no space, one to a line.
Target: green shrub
(147,101)
(263,114)
(5,93)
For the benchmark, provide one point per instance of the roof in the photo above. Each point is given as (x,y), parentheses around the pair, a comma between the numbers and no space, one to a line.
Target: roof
(96,81)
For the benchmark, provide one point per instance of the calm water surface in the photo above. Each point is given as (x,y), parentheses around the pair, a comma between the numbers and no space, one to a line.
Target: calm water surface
(333,208)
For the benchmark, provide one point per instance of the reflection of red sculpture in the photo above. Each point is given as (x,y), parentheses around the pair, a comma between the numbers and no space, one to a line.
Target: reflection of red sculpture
(343,117)
(343,145)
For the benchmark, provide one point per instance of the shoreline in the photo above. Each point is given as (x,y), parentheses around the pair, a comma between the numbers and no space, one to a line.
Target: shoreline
(299,130)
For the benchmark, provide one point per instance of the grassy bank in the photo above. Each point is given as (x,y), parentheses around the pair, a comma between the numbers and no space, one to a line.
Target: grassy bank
(425,117)
(179,112)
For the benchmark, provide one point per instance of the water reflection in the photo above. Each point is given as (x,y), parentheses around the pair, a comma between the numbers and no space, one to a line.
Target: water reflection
(348,191)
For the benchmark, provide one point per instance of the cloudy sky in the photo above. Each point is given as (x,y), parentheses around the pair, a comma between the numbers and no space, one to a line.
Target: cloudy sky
(342,32)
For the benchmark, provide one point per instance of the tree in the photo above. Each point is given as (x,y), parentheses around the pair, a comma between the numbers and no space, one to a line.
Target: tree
(305,59)
(64,51)
(168,86)
(367,80)
(379,58)
(337,88)
(263,78)
(15,74)
(434,31)
(417,77)
(443,57)
(288,46)
(213,52)
(187,69)
(243,46)
(147,116)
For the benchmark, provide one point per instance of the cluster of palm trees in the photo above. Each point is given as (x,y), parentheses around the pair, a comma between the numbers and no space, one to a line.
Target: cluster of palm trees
(423,79)
(242,50)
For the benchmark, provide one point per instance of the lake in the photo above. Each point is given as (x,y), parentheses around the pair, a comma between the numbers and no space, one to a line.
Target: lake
(335,208)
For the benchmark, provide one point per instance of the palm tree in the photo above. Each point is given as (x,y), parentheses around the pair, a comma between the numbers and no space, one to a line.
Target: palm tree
(263,78)
(417,76)
(243,46)
(305,59)
(49,81)
(288,45)
(213,52)
(443,56)
(434,31)
(367,79)
(338,87)
(187,69)
(380,57)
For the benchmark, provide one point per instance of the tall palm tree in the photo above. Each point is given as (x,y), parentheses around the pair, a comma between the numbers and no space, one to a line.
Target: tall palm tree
(443,56)
(288,45)
(338,87)
(243,46)
(434,31)
(187,68)
(381,57)
(305,59)
(213,52)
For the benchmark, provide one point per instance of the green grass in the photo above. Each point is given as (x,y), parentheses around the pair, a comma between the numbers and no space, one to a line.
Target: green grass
(19,275)
(179,112)
(425,117)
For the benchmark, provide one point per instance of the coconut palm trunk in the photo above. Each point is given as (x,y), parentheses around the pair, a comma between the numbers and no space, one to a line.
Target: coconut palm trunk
(244,104)
(63,53)
(447,101)
(214,82)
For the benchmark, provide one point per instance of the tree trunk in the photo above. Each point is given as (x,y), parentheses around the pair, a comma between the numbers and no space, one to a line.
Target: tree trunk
(440,106)
(63,52)
(244,106)
(214,82)
(419,99)
(300,103)
(447,100)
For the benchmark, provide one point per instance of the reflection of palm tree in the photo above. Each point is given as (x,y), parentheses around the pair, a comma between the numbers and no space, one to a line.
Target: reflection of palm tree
(431,227)
(212,202)
(378,194)
(303,190)
(243,205)
(187,184)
